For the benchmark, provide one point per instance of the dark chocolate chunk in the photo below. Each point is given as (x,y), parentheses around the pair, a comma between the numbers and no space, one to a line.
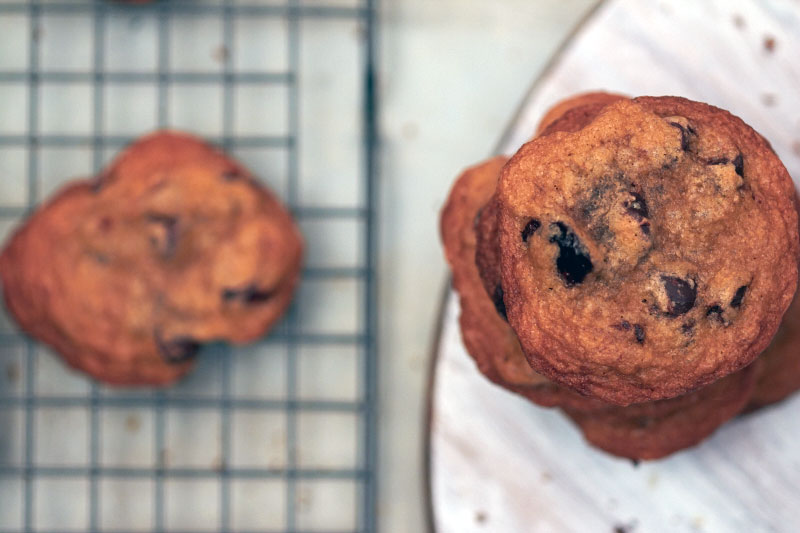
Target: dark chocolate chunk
(738,165)
(177,350)
(715,312)
(638,330)
(250,294)
(645,227)
(499,303)
(530,229)
(680,293)
(573,261)
(170,224)
(622,326)
(685,133)
(687,328)
(718,161)
(739,296)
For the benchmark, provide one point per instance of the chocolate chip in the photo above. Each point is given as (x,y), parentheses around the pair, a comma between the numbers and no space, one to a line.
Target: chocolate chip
(637,207)
(638,330)
(687,328)
(169,243)
(739,296)
(530,229)
(573,262)
(738,165)
(250,294)
(685,133)
(680,293)
(714,312)
(622,326)
(177,350)
(499,303)
(718,161)
(645,226)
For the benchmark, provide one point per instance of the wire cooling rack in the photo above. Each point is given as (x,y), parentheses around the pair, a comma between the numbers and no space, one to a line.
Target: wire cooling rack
(277,436)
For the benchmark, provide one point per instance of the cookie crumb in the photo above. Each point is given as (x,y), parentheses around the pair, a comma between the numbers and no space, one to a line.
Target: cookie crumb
(768,99)
(221,54)
(769,44)
(635,463)
(738,21)
(796,148)
(480,517)
(163,458)
(218,465)
(132,423)
(303,499)
(12,372)
(410,130)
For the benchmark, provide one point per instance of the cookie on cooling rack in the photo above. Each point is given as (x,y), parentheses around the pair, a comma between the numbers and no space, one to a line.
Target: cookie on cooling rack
(175,245)
(664,252)
(486,335)
(653,430)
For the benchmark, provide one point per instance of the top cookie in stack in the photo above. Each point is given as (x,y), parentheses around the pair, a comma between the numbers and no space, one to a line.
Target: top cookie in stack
(639,249)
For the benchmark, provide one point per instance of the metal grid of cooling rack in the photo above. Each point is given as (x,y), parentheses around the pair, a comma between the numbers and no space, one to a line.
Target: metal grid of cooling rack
(279,436)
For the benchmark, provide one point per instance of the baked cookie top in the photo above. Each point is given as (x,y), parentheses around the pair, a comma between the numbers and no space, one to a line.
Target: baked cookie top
(664,251)
(173,246)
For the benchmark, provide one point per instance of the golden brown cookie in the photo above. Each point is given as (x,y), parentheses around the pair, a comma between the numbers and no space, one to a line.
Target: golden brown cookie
(656,429)
(173,246)
(487,337)
(665,251)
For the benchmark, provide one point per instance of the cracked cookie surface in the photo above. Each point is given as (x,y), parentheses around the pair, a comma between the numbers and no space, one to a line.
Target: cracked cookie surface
(173,246)
(665,249)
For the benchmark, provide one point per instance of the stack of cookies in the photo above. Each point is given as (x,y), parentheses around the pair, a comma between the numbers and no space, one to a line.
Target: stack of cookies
(632,264)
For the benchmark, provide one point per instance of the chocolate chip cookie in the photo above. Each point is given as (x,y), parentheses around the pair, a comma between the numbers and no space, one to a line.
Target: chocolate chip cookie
(174,245)
(648,253)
